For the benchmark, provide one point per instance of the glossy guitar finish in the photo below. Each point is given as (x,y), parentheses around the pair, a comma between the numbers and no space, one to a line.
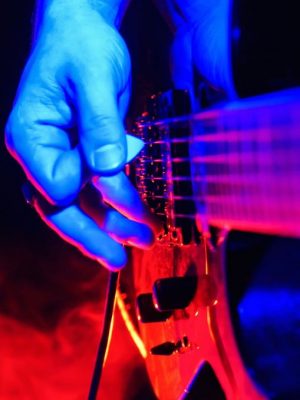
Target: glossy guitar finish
(207,327)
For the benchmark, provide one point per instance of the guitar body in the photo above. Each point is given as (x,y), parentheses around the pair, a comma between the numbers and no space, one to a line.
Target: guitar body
(216,364)
(206,323)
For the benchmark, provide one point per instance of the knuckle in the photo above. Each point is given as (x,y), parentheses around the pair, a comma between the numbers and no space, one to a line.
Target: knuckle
(18,123)
(100,121)
(11,131)
(59,194)
(102,129)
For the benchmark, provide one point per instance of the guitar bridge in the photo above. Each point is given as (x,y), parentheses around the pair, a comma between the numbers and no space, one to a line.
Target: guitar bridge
(163,170)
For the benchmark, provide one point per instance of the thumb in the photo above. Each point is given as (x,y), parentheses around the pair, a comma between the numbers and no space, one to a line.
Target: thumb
(101,131)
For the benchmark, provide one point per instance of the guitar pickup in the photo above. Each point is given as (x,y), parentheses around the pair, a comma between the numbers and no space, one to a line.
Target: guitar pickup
(147,312)
(174,293)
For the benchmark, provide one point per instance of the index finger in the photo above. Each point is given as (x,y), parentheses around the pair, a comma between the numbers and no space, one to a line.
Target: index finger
(45,153)
(120,193)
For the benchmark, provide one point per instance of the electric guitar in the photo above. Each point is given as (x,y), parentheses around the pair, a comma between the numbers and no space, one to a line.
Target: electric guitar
(236,169)
(214,306)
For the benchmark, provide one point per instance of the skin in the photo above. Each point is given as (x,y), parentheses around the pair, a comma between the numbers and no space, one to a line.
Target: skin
(66,129)
(201,40)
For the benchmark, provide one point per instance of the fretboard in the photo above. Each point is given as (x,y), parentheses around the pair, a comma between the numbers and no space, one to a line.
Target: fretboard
(236,166)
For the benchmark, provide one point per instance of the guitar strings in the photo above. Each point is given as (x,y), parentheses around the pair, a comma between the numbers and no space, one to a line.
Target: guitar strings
(228,137)
(239,161)
(231,158)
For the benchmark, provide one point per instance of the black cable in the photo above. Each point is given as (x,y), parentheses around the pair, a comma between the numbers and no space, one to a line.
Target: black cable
(109,308)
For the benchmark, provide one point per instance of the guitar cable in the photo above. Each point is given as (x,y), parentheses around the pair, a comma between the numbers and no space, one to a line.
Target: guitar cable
(102,348)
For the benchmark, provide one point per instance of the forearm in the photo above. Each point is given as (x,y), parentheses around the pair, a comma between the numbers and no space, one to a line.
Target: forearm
(175,12)
(208,24)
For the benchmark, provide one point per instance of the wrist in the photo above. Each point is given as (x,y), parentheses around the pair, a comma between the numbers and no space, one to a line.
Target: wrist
(111,11)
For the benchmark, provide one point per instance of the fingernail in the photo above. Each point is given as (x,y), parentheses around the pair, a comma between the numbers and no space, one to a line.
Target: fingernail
(108,158)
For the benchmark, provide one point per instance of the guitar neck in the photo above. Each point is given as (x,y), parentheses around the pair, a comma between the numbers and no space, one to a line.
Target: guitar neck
(237,166)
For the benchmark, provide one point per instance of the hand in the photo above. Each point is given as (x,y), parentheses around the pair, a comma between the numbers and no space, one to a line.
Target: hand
(66,127)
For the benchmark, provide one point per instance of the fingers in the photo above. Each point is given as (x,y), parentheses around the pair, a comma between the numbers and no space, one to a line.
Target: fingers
(113,222)
(126,231)
(119,192)
(78,229)
(97,233)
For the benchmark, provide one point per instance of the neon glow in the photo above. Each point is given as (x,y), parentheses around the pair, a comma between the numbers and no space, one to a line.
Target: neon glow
(129,325)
